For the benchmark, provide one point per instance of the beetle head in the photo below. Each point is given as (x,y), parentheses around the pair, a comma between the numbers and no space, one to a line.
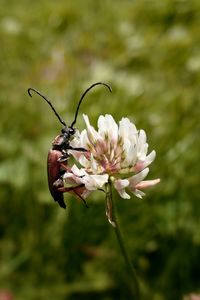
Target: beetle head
(68,131)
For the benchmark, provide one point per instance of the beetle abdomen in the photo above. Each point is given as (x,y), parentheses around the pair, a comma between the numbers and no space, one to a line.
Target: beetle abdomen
(53,172)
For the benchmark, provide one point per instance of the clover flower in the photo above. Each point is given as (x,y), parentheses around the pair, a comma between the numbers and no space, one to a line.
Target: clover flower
(115,153)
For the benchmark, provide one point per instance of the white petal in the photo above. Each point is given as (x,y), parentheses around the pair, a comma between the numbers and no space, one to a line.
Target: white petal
(138,177)
(120,185)
(130,154)
(83,161)
(126,129)
(74,177)
(92,134)
(108,127)
(94,182)
(123,194)
(67,176)
(142,137)
(78,172)
(138,193)
(142,164)
(142,152)
(80,176)
(128,136)
(80,140)
(84,141)
(150,158)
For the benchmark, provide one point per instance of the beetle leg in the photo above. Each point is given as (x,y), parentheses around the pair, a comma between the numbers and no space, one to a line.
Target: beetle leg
(58,183)
(72,189)
(65,167)
(81,198)
(77,149)
(66,189)
(64,157)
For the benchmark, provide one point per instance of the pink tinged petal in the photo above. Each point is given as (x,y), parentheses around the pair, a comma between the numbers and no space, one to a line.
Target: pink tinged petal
(120,185)
(147,183)
(140,165)
(100,147)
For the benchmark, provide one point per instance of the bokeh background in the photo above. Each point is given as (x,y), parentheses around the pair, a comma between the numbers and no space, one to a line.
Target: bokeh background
(149,52)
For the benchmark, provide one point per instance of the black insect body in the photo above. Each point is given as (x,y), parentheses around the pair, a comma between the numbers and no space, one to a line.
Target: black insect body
(58,155)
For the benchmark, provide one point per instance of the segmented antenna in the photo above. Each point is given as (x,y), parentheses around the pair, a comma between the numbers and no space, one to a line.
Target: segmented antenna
(77,110)
(83,95)
(54,110)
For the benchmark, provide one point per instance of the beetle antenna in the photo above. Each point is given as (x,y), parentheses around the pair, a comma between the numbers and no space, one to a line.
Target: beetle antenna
(55,112)
(81,99)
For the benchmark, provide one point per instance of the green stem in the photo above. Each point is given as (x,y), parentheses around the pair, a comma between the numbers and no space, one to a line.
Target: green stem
(111,214)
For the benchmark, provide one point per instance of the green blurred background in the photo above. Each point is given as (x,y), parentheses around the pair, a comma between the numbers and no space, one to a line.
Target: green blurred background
(149,52)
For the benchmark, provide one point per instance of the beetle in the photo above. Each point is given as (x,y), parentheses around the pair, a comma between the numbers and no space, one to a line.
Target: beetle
(58,155)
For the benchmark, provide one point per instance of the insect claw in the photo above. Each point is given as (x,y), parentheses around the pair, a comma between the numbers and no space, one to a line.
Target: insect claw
(101,190)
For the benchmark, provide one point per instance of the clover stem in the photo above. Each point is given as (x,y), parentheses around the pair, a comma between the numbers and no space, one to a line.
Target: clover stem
(113,220)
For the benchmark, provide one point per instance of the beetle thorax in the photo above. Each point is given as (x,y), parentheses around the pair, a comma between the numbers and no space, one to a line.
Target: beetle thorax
(62,141)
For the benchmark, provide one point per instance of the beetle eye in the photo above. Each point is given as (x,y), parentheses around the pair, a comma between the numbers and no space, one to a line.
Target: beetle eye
(71,131)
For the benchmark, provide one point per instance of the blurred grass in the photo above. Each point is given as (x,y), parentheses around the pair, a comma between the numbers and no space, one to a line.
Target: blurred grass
(149,52)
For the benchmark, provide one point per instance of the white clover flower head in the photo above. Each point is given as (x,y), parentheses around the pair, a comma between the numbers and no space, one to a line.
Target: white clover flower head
(116,153)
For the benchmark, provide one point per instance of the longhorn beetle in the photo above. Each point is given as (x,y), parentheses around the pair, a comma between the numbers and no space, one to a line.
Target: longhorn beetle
(58,154)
